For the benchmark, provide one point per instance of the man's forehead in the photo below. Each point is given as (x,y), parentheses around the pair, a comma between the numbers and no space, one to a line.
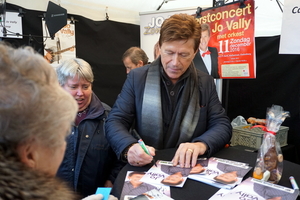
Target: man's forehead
(176,48)
(205,33)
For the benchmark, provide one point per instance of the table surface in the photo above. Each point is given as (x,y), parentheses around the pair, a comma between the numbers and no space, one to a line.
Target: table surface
(197,190)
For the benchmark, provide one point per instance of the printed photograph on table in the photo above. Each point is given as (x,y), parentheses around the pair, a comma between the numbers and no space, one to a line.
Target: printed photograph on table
(200,167)
(166,174)
(134,186)
(153,195)
(222,173)
(258,190)
(232,34)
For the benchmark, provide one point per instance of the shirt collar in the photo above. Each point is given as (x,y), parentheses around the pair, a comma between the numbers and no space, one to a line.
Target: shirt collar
(182,77)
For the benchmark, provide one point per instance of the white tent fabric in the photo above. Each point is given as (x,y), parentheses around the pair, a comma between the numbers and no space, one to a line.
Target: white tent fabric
(268,14)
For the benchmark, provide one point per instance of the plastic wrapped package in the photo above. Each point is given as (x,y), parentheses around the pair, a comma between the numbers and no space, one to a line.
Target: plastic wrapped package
(269,163)
(238,121)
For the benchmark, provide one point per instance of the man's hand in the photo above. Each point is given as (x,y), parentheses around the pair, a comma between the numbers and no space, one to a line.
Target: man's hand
(136,156)
(187,154)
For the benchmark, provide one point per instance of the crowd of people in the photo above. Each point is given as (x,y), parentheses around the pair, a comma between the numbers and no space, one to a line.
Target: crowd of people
(56,132)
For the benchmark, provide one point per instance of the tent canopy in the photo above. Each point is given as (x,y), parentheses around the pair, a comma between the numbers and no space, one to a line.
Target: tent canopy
(267,23)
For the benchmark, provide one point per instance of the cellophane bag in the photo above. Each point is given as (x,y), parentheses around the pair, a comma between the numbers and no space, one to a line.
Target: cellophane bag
(269,163)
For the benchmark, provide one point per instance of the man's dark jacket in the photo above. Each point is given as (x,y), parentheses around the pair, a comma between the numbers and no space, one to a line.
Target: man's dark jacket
(95,162)
(213,126)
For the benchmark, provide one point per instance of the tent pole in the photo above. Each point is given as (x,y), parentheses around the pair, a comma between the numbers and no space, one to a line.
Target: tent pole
(279,5)
(219,83)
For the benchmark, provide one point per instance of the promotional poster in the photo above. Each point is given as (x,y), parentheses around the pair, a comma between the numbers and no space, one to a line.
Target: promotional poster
(232,33)
(62,46)
(222,173)
(165,174)
(232,40)
(135,186)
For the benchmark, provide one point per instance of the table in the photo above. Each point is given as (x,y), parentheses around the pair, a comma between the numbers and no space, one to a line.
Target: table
(201,191)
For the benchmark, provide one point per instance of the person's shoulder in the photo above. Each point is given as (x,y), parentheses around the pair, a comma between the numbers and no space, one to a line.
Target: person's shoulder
(204,79)
(98,108)
(106,106)
(212,49)
(139,74)
(197,55)
(139,71)
(50,187)
(203,75)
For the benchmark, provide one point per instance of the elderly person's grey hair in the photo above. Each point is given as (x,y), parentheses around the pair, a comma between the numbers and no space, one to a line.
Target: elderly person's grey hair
(33,106)
(74,67)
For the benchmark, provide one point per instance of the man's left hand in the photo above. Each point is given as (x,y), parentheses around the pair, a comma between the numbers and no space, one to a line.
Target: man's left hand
(187,154)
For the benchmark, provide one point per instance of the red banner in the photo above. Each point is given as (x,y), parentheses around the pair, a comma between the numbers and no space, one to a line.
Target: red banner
(232,33)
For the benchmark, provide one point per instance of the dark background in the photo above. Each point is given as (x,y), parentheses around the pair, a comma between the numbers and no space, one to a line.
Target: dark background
(102,43)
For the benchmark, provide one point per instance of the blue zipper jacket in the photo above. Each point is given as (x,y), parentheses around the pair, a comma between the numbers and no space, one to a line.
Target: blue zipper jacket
(92,162)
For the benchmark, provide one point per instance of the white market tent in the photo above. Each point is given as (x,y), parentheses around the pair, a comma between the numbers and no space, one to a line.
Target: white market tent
(268,16)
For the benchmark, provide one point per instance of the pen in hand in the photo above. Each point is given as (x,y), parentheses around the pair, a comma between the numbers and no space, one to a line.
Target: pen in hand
(293,182)
(142,144)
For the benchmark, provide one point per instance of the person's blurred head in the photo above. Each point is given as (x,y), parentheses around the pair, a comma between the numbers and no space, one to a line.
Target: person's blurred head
(205,36)
(173,179)
(35,112)
(227,178)
(135,176)
(76,77)
(179,41)
(156,51)
(134,57)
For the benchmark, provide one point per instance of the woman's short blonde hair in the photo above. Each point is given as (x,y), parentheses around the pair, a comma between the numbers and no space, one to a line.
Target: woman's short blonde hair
(32,103)
(74,67)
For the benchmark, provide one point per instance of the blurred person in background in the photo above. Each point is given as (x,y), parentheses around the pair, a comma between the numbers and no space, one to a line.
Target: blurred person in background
(156,51)
(134,57)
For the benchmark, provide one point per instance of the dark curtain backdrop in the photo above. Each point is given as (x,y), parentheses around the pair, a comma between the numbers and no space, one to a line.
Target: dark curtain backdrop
(102,43)
(277,82)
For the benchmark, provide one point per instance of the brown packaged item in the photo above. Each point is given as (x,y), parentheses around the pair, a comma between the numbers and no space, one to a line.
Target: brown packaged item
(252,120)
(269,163)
